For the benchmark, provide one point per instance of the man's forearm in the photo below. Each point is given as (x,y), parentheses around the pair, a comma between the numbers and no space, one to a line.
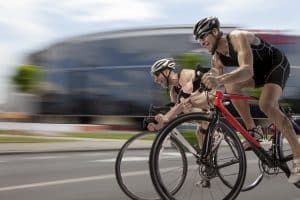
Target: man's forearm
(239,75)
(175,110)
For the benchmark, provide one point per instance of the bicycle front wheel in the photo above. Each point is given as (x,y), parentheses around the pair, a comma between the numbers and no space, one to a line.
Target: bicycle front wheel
(227,159)
(132,167)
(285,153)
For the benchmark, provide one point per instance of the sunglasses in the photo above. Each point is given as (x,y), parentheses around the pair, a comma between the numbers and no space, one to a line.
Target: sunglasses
(203,35)
(156,73)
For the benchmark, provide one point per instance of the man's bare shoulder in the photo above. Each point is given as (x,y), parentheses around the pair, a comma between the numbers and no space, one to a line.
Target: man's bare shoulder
(241,34)
(186,75)
(186,72)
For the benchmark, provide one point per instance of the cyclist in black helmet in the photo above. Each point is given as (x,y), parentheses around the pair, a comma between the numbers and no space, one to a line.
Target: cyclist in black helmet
(259,64)
(206,27)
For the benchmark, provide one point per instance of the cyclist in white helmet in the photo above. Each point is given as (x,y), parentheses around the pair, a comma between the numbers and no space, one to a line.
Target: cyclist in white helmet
(185,92)
(259,64)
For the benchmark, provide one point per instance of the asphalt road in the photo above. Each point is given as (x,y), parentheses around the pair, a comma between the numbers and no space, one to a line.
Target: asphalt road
(90,176)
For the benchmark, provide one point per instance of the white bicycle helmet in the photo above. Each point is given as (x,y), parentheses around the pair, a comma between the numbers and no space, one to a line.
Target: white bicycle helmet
(162,64)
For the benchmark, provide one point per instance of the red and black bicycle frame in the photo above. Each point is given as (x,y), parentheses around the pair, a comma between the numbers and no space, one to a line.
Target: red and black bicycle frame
(222,111)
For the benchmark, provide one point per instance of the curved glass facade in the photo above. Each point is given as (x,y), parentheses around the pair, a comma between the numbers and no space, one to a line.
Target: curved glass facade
(109,75)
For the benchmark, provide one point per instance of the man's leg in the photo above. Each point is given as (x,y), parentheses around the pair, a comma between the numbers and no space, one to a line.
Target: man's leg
(242,106)
(199,100)
(268,103)
(200,134)
(201,131)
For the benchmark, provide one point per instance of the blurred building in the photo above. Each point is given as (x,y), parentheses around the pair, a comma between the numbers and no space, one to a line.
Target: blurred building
(107,74)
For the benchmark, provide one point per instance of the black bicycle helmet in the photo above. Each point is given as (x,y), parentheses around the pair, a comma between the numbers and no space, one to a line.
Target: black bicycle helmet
(205,25)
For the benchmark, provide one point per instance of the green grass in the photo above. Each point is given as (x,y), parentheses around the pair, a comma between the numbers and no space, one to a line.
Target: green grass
(148,137)
(18,136)
(190,136)
(29,140)
(100,135)
(107,135)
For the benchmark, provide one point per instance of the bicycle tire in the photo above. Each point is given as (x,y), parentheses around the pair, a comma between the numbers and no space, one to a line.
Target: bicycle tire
(154,160)
(120,179)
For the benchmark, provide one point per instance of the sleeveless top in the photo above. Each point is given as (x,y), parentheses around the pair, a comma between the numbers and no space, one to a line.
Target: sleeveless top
(196,83)
(262,57)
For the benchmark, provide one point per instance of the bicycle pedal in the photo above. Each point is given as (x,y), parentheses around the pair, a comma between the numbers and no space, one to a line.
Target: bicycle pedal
(198,184)
(203,183)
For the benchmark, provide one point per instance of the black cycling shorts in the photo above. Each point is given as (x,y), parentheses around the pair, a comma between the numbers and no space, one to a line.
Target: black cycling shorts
(278,73)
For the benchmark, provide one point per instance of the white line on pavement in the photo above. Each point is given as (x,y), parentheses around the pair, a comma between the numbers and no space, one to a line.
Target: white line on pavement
(31,158)
(94,154)
(42,157)
(74,180)
(65,181)
(84,179)
(129,159)
(139,158)
(125,159)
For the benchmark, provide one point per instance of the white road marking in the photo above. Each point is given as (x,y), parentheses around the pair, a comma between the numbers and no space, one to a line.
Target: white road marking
(126,159)
(94,154)
(42,157)
(84,179)
(76,180)
(31,158)
(137,158)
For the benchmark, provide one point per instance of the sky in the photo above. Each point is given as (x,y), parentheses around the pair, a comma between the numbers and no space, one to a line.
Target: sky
(31,25)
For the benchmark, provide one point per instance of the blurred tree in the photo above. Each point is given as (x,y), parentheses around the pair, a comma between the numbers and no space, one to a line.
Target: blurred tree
(27,77)
(190,60)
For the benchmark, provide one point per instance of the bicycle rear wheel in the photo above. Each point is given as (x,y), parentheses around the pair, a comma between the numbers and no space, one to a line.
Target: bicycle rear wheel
(254,176)
(132,167)
(203,179)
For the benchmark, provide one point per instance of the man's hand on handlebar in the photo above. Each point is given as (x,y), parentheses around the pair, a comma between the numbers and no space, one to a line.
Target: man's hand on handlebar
(211,80)
(186,105)
(154,127)
(160,118)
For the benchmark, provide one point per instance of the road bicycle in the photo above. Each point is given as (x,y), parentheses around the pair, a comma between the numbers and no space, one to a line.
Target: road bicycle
(133,160)
(223,168)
